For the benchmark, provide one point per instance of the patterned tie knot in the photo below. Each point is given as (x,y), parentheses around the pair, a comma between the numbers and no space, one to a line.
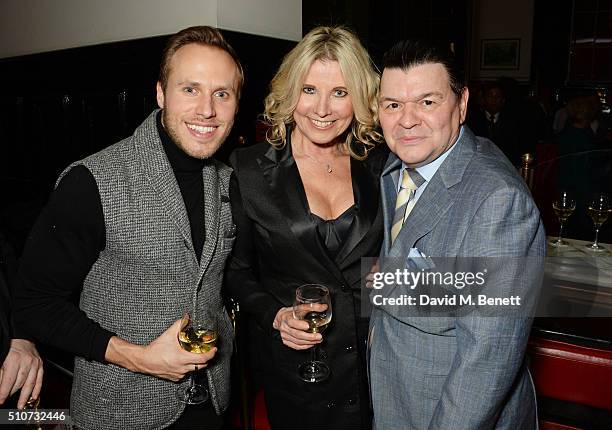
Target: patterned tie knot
(411,180)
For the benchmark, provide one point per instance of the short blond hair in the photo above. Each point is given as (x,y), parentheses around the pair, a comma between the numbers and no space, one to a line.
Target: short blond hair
(200,35)
(331,44)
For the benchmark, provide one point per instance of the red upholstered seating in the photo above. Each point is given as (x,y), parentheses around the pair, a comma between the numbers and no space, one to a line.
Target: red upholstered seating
(258,416)
(572,373)
(547,425)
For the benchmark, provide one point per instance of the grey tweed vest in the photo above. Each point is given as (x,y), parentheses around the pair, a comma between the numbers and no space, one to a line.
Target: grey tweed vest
(147,277)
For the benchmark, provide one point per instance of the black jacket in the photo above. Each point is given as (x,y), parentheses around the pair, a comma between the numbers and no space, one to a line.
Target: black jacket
(278,249)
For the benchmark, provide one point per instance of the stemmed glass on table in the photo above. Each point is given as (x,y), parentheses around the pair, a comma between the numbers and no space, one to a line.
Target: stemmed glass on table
(197,336)
(313,305)
(564,205)
(599,210)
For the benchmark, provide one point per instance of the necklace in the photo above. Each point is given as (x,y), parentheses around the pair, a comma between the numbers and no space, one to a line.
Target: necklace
(328,166)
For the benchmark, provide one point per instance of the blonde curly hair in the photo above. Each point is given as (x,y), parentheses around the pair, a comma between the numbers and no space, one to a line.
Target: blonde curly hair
(326,44)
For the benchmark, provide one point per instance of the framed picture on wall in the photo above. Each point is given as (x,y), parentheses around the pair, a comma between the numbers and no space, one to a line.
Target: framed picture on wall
(500,54)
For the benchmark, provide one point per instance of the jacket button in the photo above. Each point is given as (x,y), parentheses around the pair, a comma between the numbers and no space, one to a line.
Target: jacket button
(349,348)
(344,288)
(351,401)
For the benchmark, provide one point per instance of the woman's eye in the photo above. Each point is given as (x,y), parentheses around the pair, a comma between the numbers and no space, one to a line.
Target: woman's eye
(308,90)
(340,93)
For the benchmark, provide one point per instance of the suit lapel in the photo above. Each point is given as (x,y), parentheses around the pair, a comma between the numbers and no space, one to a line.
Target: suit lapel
(429,209)
(283,177)
(437,198)
(148,146)
(388,185)
(212,214)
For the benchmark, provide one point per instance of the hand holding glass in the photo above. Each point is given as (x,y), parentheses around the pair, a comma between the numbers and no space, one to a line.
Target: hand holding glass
(197,337)
(563,206)
(313,305)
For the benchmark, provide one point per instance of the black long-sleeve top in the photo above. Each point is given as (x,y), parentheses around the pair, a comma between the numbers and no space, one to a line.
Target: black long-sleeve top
(66,241)
(5,327)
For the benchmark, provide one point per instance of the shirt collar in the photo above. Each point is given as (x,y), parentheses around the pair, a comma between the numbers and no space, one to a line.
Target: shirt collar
(494,116)
(429,170)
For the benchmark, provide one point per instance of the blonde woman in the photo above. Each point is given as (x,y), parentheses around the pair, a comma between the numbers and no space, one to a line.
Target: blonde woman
(306,206)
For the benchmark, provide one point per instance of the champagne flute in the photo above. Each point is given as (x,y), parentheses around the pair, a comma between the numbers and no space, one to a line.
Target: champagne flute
(197,336)
(564,205)
(599,210)
(313,305)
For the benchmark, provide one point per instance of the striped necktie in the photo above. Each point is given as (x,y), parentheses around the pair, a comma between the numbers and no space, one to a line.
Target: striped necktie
(411,180)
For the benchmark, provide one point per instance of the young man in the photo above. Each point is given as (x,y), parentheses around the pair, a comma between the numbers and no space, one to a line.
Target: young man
(142,230)
(463,199)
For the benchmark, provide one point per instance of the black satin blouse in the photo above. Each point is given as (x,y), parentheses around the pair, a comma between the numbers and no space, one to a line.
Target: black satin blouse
(333,232)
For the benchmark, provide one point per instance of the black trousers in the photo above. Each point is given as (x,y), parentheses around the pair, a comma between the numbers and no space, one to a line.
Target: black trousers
(198,416)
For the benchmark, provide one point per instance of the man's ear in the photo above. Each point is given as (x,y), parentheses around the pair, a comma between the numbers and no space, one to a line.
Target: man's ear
(463,102)
(160,95)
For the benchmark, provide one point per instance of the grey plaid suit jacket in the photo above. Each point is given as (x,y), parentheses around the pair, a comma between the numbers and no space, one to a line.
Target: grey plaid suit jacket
(465,372)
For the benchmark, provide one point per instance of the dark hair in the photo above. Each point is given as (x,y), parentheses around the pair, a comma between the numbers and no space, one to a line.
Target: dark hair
(410,53)
(202,35)
(493,85)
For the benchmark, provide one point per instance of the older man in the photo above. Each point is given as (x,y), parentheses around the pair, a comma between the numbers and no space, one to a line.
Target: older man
(448,195)
(141,230)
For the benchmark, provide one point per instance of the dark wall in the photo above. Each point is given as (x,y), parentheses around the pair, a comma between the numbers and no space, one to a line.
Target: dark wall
(381,23)
(551,37)
(58,107)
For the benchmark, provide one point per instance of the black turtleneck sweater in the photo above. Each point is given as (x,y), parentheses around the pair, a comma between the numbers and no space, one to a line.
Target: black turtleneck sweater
(66,241)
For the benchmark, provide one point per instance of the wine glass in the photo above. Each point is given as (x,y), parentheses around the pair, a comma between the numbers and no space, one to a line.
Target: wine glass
(32,405)
(313,305)
(563,206)
(599,210)
(197,336)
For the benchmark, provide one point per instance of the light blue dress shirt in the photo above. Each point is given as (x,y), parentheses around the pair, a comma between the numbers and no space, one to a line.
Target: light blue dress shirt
(428,170)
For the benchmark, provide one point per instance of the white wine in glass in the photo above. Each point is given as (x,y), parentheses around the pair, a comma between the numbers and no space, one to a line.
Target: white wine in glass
(197,337)
(313,305)
(564,205)
(317,321)
(599,210)
(197,340)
